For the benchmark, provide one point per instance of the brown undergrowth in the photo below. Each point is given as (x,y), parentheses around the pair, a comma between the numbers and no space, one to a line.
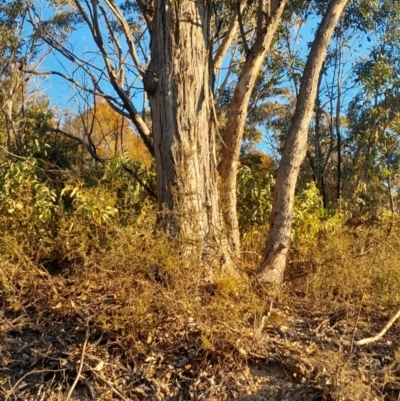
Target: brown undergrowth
(114,312)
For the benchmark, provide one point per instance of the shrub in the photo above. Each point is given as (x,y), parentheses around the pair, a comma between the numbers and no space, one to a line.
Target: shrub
(27,205)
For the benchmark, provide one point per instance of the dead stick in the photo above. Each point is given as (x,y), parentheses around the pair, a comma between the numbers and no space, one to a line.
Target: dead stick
(113,389)
(381,334)
(81,363)
(25,376)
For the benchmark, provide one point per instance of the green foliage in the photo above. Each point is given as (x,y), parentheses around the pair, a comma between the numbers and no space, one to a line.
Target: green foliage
(103,256)
(254,197)
(120,176)
(107,199)
(311,218)
(47,217)
(94,206)
(52,150)
(27,204)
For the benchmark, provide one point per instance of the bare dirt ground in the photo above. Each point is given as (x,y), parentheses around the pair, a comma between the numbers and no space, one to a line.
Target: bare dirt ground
(49,353)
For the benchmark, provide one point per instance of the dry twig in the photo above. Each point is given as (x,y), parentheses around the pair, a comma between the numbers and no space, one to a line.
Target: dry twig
(381,333)
(81,363)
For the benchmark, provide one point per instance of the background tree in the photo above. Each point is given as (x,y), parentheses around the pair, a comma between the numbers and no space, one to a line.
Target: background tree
(108,133)
(18,51)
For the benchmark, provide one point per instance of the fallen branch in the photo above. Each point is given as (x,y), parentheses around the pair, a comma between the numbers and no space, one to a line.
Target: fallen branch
(382,332)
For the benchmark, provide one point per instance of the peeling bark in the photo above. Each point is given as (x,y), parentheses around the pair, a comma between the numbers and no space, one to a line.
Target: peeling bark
(180,94)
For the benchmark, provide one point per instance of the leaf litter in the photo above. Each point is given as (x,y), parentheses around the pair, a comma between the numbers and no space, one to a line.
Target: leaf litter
(56,349)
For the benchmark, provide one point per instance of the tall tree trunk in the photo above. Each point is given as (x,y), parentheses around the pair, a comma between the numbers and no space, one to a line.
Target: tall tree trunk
(339,144)
(320,164)
(273,264)
(339,164)
(237,118)
(336,120)
(178,84)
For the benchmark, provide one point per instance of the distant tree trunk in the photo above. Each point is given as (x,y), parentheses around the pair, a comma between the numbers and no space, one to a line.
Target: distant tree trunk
(339,144)
(11,95)
(273,265)
(339,165)
(238,114)
(178,83)
(319,165)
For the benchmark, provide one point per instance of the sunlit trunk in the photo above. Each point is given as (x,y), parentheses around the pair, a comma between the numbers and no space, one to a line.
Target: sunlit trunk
(273,264)
(178,83)
(237,116)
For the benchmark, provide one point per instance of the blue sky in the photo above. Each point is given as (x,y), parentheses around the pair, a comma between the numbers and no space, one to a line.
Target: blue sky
(64,95)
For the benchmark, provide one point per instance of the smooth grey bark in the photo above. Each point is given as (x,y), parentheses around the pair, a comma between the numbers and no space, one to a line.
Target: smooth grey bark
(272,267)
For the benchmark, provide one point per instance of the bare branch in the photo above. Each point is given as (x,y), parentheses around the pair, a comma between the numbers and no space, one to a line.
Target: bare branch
(140,181)
(90,149)
(75,83)
(134,115)
(388,325)
(78,375)
(241,28)
(227,41)
(113,37)
(127,33)
(116,79)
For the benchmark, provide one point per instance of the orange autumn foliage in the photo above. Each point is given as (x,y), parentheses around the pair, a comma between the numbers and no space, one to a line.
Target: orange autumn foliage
(112,134)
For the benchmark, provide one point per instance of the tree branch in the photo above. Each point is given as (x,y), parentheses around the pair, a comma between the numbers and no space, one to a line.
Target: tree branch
(227,41)
(140,181)
(92,22)
(91,151)
(241,28)
(127,33)
(95,156)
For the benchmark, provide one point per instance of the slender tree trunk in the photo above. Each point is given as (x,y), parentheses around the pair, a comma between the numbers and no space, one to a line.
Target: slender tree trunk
(391,197)
(237,118)
(178,84)
(11,107)
(319,162)
(339,146)
(339,165)
(273,265)
(338,68)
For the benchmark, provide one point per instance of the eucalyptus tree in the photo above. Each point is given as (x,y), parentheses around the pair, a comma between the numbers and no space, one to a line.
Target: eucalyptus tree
(17,51)
(373,115)
(273,264)
(174,49)
(178,81)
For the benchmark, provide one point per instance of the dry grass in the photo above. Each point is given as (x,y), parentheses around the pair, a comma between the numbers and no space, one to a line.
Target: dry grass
(158,330)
